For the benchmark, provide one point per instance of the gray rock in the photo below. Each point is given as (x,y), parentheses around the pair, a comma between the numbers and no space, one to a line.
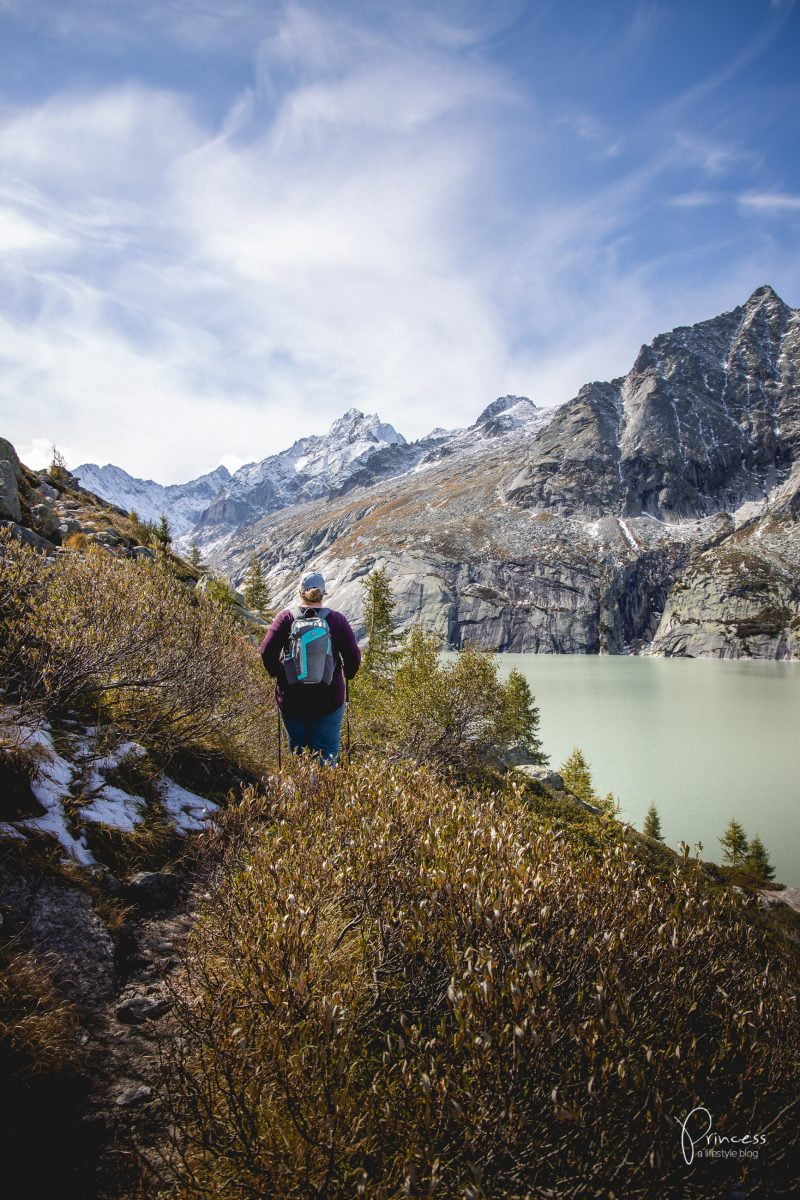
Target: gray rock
(28,537)
(48,491)
(9,454)
(785,895)
(152,890)
(45,521)
(107,537)
(9,492)
(138,1009)
(733,601)
(67,525)
(517,755)
(133,1095)
(543,775)
(143,552)
(58,921)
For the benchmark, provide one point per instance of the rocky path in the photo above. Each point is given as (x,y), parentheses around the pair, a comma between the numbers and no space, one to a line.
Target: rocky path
(123,1045)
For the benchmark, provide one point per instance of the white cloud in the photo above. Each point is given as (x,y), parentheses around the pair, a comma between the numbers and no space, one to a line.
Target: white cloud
(770,202)
(38,453)
(357,230)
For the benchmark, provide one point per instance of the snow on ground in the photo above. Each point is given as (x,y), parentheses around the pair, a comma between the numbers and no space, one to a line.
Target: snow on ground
(51,786)
(111,806)
(188,810)
(81,772)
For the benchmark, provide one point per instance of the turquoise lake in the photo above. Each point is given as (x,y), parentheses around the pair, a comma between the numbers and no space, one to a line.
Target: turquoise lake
(702,739)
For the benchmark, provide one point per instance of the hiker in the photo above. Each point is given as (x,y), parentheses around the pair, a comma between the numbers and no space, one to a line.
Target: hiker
(310,651)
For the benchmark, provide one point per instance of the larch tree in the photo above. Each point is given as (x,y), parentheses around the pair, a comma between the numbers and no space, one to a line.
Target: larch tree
(734,844)
(757,859)
(652,824)
(255,589)
(379,605)
(522,715)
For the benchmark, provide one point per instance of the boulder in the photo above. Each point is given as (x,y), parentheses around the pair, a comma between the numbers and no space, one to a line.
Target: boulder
(543,775)
(45,521)
(9,454)
(143,552)
(138,1009)
(136,1093)
(9,492)
(107,537)
(28,537)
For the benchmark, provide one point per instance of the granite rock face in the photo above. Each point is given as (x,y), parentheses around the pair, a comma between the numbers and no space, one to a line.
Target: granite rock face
(708,418)
(732,602)
(655,513)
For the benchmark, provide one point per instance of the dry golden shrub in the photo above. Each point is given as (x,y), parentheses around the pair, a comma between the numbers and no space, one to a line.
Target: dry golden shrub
(398,987)
(129,643)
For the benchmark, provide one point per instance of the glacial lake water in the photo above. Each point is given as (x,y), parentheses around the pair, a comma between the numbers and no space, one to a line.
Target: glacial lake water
(702,739)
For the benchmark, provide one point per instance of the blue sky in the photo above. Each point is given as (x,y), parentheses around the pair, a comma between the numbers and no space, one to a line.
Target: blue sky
(223,222)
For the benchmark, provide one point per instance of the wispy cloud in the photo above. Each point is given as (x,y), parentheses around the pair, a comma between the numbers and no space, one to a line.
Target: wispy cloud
(697,199)
(770,202)
(383,212)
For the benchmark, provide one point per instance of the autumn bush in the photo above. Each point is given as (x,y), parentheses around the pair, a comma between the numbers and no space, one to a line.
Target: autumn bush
(128,642)
(400,987)
(457,715)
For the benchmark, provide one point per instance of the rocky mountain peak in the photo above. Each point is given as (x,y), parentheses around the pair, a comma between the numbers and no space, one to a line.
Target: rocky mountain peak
(514,408)
(354,426)
(764,295)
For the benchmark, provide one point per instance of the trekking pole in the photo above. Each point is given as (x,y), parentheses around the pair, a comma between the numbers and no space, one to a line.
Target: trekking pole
(347,714)
(278,731)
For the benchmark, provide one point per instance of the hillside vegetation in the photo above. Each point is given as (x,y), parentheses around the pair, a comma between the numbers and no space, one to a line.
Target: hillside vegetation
(400,987)
(419,974)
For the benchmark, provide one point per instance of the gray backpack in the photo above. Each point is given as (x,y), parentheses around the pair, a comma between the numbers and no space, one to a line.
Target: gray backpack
(308,658)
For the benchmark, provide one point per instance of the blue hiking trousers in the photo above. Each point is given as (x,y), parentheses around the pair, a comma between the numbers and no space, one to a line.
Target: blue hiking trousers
(321,734)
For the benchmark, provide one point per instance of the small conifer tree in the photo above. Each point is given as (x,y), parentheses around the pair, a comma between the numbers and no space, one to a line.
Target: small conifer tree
(578,778)
(757,859)
(195,557)
(522,715)
(652,824)
(58,466)
(164,533)
(379,606)
(255,590)
(734,844)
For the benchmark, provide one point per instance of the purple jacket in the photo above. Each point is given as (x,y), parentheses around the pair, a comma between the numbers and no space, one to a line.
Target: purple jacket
(310,700)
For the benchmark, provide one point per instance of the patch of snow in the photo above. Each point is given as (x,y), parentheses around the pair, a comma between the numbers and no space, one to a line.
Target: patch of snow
(50,786)
(188,810)
(111,806)
(10,831)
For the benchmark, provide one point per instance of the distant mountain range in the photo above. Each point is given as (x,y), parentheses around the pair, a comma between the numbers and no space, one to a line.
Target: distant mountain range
(658,511)
(357,450)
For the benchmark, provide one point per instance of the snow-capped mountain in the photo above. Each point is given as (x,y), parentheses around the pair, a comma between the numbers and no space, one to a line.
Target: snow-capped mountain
(184,503)
(312,468)
(657,511)
(357,450)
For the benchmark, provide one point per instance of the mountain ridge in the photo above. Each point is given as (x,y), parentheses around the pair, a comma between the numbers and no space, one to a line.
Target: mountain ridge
(655,512)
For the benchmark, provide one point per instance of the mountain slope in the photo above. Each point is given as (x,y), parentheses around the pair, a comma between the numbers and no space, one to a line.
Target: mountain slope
(184,503)
(597,529)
